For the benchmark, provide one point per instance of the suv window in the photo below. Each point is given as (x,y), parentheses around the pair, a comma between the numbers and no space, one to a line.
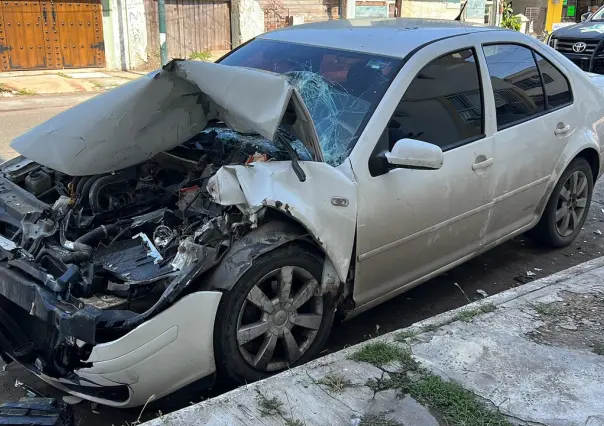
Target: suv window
(443,103)
(556,85)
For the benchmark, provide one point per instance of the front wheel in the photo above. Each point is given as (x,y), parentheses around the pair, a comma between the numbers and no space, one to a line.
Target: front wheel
(568,206)
(275,316)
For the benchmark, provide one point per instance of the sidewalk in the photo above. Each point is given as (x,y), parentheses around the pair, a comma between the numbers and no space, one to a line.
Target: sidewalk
(66,81)
(43,82)
(531,355)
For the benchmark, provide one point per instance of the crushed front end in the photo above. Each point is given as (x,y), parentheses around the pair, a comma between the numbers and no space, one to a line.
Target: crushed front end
(93,261)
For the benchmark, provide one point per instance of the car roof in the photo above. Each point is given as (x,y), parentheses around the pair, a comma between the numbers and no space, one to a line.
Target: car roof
(395,37)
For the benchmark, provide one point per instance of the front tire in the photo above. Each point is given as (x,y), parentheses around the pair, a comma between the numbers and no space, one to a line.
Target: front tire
(568,206)
(274,317)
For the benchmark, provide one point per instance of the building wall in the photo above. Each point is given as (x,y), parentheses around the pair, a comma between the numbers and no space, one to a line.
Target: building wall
(429,9)
(125,26)
(310,10)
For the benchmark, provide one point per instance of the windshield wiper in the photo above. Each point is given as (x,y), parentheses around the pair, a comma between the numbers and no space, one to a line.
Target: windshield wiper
(286,143)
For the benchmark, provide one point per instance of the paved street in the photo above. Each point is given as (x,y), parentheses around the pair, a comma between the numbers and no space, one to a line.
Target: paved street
(492,272)
(21,113)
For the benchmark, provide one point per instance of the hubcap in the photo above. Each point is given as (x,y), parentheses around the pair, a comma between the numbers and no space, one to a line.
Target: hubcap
(572,203)
(279,319)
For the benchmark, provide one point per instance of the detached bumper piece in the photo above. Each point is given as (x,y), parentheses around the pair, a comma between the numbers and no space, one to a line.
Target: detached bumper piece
(36,411)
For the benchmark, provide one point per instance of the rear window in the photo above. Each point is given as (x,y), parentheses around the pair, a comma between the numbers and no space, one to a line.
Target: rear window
(341,89)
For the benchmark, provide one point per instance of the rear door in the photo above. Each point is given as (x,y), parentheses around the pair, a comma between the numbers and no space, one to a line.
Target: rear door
(534,117)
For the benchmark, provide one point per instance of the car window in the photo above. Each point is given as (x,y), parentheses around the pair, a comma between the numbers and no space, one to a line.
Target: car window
(340,88)
(556,85)
(443,103)
(516,83)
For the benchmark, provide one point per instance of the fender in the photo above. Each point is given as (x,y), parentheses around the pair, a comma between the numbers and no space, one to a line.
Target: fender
(325,204)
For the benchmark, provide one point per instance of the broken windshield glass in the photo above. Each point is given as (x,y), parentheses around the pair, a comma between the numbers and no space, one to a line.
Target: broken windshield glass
(341,89)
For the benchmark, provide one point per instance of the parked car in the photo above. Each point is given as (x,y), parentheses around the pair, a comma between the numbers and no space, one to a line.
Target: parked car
(583,43)
(211,219)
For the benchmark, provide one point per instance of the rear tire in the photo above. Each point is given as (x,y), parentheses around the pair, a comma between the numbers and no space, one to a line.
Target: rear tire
(567,208)
(252,342)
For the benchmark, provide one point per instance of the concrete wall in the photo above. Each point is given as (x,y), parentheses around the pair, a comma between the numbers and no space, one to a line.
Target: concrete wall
(429,9)
(247,21)
(125,33)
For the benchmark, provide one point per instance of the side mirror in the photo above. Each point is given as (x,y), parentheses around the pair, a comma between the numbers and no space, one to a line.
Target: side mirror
(585,16)
(414,154)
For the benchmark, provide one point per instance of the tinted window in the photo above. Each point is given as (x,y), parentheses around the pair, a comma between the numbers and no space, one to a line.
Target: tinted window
(443,103)
(516,83)
(340,88)
(556,85)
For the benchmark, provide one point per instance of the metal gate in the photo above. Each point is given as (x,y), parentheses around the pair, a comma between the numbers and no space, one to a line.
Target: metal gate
(49,34)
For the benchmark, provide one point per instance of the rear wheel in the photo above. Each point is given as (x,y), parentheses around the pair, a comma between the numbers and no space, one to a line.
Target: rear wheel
(568,206)
(275,317)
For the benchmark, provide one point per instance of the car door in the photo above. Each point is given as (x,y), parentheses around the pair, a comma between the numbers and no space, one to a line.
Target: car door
(413,224)
(535,117)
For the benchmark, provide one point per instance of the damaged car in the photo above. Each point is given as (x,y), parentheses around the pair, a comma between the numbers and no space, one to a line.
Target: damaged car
(210,219)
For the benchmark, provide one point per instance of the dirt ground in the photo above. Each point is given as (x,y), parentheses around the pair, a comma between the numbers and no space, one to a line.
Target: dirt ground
(504,267)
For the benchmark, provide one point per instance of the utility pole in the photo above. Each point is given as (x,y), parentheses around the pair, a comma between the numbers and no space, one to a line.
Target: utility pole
(163,47)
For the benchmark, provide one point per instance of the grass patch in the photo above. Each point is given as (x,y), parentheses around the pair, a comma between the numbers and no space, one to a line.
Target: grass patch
(598,349)
(378,354)
(404,335)
(200,56)
(429,328)
(335,382)
(455,404)
(377,420)
(269,406)
(469,314)
(547,309)
(4,89)
(62,74)
(293,422)
(26,92)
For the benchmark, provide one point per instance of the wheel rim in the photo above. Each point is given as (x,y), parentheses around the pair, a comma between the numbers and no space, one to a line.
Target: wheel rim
(279,319)
(572,203)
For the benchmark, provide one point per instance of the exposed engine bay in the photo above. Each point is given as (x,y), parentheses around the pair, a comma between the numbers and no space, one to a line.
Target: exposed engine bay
(127,213)
(128,242)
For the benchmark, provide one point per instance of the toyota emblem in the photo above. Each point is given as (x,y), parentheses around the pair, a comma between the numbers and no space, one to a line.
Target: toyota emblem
(579,47)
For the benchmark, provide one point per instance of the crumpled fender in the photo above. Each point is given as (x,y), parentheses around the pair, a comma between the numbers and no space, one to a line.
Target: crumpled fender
(325,204)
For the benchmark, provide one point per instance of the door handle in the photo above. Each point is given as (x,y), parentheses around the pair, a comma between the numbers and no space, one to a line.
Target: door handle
(562,130)
(483,164)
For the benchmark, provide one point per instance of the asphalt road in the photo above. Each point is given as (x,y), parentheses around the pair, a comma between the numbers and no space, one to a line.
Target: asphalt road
(495,271)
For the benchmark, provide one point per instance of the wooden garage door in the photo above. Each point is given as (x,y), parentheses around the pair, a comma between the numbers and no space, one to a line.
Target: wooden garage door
(47,34)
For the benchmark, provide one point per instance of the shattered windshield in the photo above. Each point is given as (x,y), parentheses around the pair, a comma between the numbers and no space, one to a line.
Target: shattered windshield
(341,89)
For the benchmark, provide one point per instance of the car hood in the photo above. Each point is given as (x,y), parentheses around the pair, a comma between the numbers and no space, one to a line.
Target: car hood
(134,122)
(588,30)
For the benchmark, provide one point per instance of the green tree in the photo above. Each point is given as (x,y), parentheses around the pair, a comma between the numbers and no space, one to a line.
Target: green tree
(508,20)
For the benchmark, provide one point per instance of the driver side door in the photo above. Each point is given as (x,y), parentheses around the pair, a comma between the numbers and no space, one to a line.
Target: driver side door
(414,224)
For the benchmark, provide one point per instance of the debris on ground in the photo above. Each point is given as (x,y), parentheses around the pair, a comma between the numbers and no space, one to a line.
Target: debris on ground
(482,293)
(523,279)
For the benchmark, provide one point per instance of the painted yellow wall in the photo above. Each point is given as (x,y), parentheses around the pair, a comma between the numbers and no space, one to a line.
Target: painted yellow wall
(554,14)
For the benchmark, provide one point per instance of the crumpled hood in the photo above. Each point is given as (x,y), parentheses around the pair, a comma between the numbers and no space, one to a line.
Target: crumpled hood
(134,122)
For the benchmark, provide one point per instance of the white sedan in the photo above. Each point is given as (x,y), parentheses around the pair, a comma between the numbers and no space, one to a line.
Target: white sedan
(212,218)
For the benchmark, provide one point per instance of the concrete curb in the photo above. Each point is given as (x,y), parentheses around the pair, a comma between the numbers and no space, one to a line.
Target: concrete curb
(226,402)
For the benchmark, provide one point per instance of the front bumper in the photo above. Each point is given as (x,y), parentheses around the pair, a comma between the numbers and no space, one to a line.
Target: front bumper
(165,353)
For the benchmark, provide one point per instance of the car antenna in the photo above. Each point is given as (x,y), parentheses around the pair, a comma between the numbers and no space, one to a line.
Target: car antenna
(461,11)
